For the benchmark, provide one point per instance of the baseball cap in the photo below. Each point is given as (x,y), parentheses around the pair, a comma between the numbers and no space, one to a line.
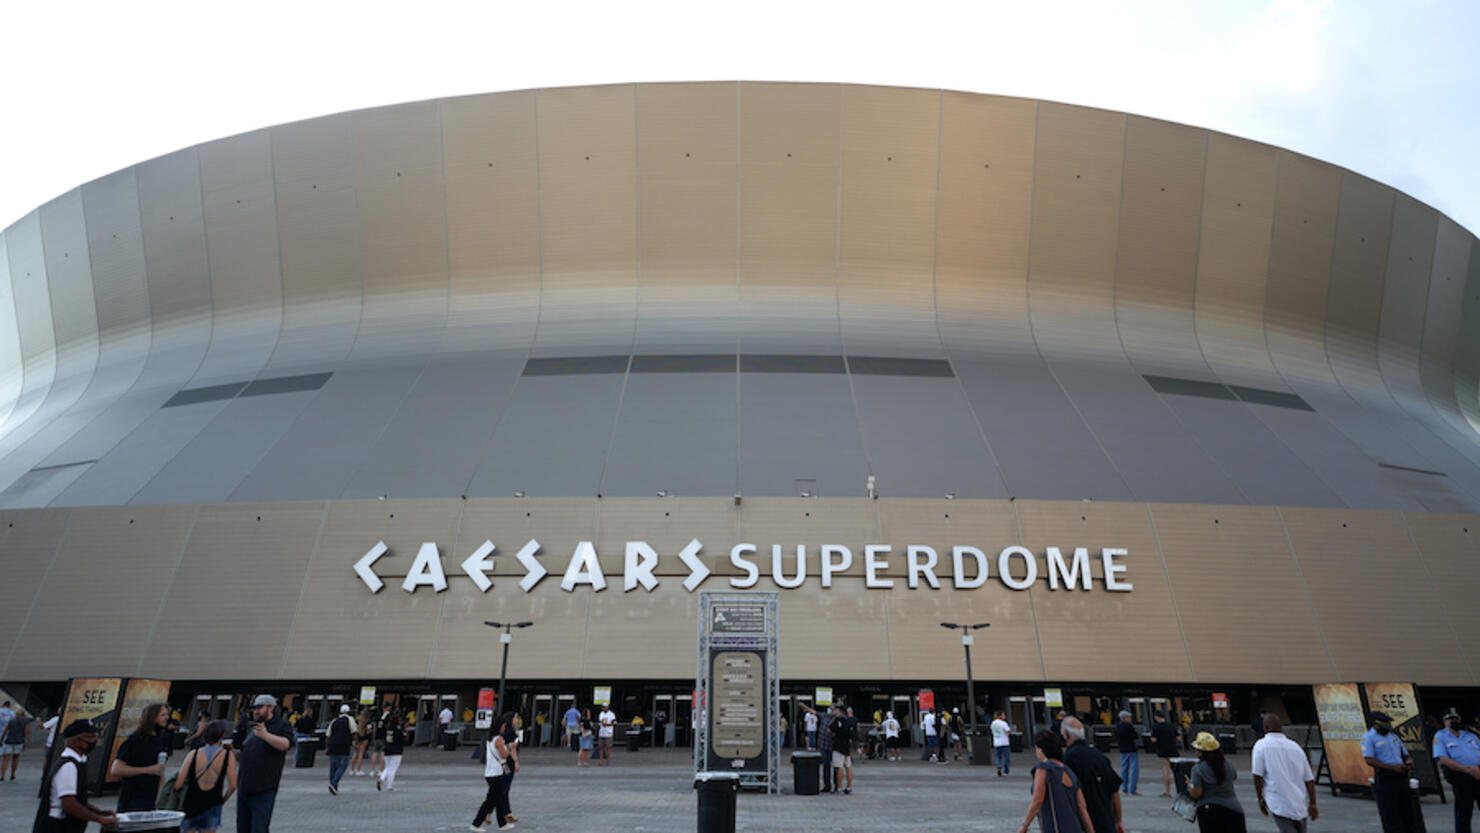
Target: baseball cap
(1453,714)
(264,700)
(344,709)
(1379,717)
(79,727)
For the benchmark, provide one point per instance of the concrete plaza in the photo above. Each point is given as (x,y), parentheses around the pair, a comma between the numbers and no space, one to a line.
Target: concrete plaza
(652,792)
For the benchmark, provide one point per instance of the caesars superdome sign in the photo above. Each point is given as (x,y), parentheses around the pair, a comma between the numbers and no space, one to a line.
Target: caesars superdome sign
(968,568)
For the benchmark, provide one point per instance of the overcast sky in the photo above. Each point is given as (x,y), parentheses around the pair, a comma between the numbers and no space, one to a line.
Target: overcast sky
(1389,89)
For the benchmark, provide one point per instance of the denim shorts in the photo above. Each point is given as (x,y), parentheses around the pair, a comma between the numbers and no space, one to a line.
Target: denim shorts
(209,820)
(586,743)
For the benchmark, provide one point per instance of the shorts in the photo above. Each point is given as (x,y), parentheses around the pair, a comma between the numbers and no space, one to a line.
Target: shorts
(11,748)
(209,820)
(893,743)
(377,745)
(841,761)
(587,743)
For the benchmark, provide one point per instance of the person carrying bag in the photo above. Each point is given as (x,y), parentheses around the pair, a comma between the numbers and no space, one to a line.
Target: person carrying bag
(213,764)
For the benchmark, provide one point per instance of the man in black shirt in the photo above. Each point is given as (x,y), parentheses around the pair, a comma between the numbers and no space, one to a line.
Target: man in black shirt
(262,743)
(842,728)
(1097,779)
(1164,740)
(1126,738)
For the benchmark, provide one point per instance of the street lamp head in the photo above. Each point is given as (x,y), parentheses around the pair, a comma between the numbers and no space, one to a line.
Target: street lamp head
(981,625)
(494,624)
(951,625)
(523,624)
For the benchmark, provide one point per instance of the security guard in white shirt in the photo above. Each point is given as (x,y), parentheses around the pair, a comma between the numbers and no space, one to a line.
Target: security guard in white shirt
(1391,765)
(1457,751)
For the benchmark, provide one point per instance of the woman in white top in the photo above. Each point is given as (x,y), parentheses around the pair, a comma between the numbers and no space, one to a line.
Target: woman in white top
(495,767)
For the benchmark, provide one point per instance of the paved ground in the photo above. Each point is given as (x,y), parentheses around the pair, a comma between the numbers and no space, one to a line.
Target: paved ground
(652,792)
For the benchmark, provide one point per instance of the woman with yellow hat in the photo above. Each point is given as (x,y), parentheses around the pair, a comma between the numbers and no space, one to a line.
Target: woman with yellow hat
(1211,786)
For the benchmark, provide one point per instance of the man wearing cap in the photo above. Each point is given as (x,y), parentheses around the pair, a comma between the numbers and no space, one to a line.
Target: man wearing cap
(262,741)
(343,735)
(1126,740)
(1391,764)
(1458,752)
(66,807)
(1282,779)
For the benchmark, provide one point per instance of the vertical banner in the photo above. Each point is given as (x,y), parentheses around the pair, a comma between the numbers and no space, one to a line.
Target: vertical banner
(737,726)
(737,735)
(136,695)
(1220,700)
(95,699)
(1339,710)
(822,696)
(367,695)
(602,695)
(1401,704)
(927,699)
(484,717)
(1053,698)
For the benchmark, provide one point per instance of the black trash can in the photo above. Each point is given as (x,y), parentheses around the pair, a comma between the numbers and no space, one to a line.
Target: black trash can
(304,748)
(1016,739)
(981,748)
(1229,742)
(717,791)
(1104,738)
(806,772)
(634,738)
(1181,772)
(449,740)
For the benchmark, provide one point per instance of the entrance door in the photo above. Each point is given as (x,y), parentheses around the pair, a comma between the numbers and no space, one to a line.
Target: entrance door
(663,705)
(683,719)
(540,727)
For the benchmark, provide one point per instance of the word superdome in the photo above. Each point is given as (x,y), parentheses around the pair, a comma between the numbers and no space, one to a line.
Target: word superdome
(970,567)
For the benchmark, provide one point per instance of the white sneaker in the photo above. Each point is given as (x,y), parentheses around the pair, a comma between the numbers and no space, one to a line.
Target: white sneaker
(476,829)
(509,826)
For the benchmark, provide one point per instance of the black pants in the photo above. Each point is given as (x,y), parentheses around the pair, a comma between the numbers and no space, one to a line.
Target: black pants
(1395,802)
(496,802)
(1213,818)
(1465,796)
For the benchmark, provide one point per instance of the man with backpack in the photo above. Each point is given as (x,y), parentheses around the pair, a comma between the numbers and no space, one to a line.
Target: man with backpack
(64,805)
(343,735)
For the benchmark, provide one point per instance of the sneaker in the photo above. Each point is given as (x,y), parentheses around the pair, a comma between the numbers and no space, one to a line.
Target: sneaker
(509,826)
(378,785)
(333,790)
(476,829)
(847,791)
(511,818)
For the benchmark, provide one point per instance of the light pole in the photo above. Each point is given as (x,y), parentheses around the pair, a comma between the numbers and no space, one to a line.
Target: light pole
(966,640)
(503,672)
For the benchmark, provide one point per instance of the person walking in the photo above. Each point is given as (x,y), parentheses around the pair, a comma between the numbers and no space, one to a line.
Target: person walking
(1211,786)
(207,778)
(362,742)
(1098,782)
(891,736)
(1457,752)
(140,760)
(608,731)
(572,720)
(1126,738)
(338,744)
(496,765)
(1391,768)
(513,739)
(395,748)
(958,732)
(587,730)
(64,804)
(261,741)
(1058,801)
(932,735)
(13,740)
(1164,741)
(1283,782)
(1002,743)
(377,744)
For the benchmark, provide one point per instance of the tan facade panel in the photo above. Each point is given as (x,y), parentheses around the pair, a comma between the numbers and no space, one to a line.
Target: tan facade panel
(399,188)
(986,188)
(1084,634)
(493,221)
(1076,205)
(688,211)
(588,219)
(1449,546)
(789,157)
(1241,599)
(886,261)
(1233,260)
(1156,258)
(143,546)
(27,538)
(1373,597)
(468,649)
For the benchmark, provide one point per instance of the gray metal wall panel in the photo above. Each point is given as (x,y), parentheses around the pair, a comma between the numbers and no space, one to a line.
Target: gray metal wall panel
(675,432)
(896,414)
(130,464)
(175,257)
(1268,471)
(317,456)
(1405,297)
(1041,444)
(1354,302)
(799,427)
(32,298)
(210,467)
(12,369)
(552,439)
(1154,453)
(242,245)
(313,165)
(431,445)
(1466,378)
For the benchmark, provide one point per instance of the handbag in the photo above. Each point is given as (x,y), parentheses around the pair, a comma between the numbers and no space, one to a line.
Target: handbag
(1184,806)
(169,797)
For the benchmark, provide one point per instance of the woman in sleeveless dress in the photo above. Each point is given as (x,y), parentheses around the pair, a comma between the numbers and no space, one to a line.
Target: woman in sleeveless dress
(1057,800)
(207,777)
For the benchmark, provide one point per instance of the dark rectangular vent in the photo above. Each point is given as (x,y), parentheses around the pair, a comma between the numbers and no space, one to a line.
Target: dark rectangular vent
(882,366)
(792,364)
(1257,396)
(575,365)
(1189,387)
(60,466)
(195,396)
(698,363)
(1415,471)
(287,384)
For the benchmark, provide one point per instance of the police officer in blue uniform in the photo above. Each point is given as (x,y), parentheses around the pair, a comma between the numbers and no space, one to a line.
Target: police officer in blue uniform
(1458,752)
(1391,765)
